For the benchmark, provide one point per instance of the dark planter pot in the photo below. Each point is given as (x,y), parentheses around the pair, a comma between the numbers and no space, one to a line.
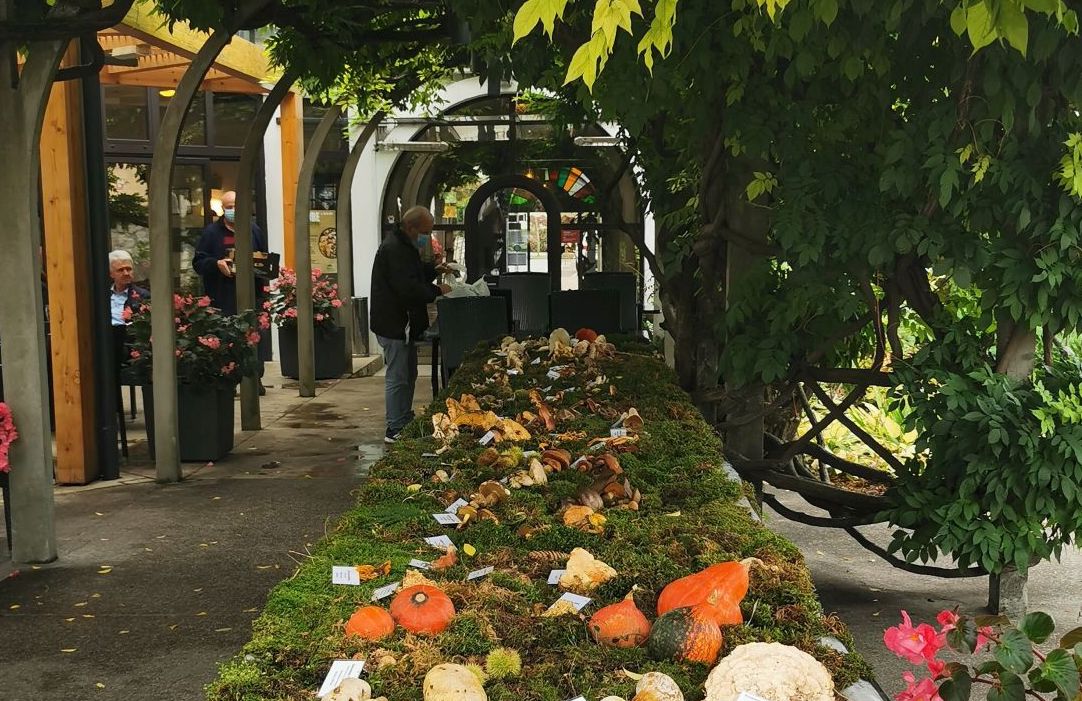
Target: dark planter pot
(205,418)
(330,352)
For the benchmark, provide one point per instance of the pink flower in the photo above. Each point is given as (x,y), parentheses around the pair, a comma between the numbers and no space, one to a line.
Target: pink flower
(253,338)
(320,317)
(212,342)
(135,295)
(266,305)
(126,314)
(984,634)
(179,353)
(947,619)
(226,369)
(178,302)
(184,328)
(264,321)
(336,303)
(8,434)
(290,313)
(136,354)
(204,301)
(937,668)
(918,645)
(924,690)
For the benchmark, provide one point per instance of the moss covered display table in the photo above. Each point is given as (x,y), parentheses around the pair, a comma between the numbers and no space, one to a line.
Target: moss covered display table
(523,449)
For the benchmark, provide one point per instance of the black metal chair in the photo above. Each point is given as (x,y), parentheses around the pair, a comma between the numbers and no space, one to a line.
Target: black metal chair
(628,286)
(594,309)
(529,301)
(465,322)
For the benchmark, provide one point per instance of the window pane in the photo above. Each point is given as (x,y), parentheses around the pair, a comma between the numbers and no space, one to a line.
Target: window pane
(194,130)
(233,114)
(126,112)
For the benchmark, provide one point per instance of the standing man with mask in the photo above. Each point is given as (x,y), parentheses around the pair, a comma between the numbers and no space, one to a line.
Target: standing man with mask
(402,288)
(212,260)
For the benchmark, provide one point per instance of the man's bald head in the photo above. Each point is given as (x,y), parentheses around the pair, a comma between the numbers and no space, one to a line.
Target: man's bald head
(229,200)
(416,221)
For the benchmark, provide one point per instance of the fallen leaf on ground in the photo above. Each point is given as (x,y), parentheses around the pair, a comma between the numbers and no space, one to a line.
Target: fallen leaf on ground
(367,573)
(69,649)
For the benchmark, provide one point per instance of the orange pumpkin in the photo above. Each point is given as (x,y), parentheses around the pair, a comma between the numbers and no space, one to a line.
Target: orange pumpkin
(686,633)
(370,623)
(721,587)
(621,624)
(588,335)
(422,609)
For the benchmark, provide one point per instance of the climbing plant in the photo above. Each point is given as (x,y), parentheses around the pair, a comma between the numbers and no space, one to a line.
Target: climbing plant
(849,165)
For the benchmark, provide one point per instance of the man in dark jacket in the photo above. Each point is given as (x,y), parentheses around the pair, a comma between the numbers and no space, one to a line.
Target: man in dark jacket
(212,258)
(402,288)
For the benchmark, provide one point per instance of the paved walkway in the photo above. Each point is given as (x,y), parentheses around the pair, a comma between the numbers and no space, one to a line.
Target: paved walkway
(156,584)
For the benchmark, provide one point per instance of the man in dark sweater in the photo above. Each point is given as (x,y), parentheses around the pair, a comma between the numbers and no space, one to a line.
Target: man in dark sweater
(402,288)
(212,258)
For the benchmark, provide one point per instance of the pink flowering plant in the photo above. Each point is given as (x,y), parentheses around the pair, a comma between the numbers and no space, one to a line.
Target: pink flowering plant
(1001,656)
(325,301)
(210,348)
(8,434)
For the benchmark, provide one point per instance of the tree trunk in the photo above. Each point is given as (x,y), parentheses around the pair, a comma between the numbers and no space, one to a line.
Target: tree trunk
(306,344)
(22,326)
(249,158)
(344,224)
(163,329)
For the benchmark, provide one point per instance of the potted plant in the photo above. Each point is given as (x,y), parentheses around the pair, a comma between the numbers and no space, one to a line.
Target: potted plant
(213,353)
(329,336)
(8,434)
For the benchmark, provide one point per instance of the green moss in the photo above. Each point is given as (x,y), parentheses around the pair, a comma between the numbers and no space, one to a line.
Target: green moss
(688,519)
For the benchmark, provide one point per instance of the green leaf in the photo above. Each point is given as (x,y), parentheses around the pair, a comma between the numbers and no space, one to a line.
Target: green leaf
(1037,626)
(985,621)
(958,687)
(963,638)
(1059,668)
(982,31)
(1014,26)
(1010,688)
(958,19)
(827,11)
(1014,651)
(1071,638)
(583,65)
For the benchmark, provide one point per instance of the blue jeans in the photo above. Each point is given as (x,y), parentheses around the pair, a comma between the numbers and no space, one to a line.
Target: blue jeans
(400,361)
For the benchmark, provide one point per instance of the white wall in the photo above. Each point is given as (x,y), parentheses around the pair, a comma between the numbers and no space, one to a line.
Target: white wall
(272,154)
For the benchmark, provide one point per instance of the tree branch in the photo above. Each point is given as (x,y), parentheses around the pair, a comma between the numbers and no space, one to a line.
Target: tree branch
(909,566)
(57,26)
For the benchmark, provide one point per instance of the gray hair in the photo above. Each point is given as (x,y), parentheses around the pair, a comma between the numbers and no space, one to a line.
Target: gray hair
(119,256)
(415,215)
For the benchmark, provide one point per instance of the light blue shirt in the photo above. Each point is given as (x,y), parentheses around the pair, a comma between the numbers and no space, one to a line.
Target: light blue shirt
(116,306)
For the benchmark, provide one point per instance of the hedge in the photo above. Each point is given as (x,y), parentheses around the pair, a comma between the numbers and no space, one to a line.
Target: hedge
(692,515)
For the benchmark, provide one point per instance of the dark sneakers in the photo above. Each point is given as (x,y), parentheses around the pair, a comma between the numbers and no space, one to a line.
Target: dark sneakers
(391,436)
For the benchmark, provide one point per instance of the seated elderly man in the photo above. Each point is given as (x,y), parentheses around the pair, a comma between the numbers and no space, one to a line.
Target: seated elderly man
(124,294)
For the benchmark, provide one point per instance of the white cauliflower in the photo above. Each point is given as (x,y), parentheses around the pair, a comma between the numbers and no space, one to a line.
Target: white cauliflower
(772,671)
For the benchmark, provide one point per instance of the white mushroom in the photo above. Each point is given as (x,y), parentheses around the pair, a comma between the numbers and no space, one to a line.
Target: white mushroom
(655,686)
(350,690)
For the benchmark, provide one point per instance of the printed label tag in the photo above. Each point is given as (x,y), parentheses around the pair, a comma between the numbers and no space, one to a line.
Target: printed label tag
(340,670)
(487,438)
(477,574)
(579,698)
(554,576)
(420,564)
(439,542)
(345,575)
(453,508)
(447,519)
(617,432)
(430,455)
(514,371)
(579,602)
(384,592)
(536,361)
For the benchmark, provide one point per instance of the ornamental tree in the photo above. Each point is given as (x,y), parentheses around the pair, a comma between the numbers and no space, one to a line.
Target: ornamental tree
(853,183)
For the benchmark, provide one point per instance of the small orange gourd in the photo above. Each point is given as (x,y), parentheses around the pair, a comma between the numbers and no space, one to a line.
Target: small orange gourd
(370,623)
(422,609)
(621,624)
(721,587)
(585,334)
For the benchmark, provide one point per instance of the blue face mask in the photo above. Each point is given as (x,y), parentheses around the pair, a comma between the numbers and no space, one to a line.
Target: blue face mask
(230,215)
(423,240)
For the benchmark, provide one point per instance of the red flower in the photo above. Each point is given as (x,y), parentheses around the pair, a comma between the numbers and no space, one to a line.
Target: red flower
(136,354)
(937,668)
(947,619)
(204,301)
(253,338)
(917,644)
(924,690)
(212,342)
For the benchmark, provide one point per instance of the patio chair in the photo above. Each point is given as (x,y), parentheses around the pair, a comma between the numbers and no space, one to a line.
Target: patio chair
(465,322)
(595,309)
(529,301)
(628,287)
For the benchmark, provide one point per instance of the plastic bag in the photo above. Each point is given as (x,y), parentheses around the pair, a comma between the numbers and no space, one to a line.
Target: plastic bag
(474,289)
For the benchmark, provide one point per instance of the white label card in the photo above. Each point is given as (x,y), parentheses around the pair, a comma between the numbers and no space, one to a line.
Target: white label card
(345,575)
(579,602)
(617,432)
(513,371)
(313,218)
(430,455)
(384,592)
(477,574)
(579,698)
(748,696)
(453,508)
(536,361)
(487,438)
(439,542)
(340,670)
(554,576)
(447,519)
(420,564)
